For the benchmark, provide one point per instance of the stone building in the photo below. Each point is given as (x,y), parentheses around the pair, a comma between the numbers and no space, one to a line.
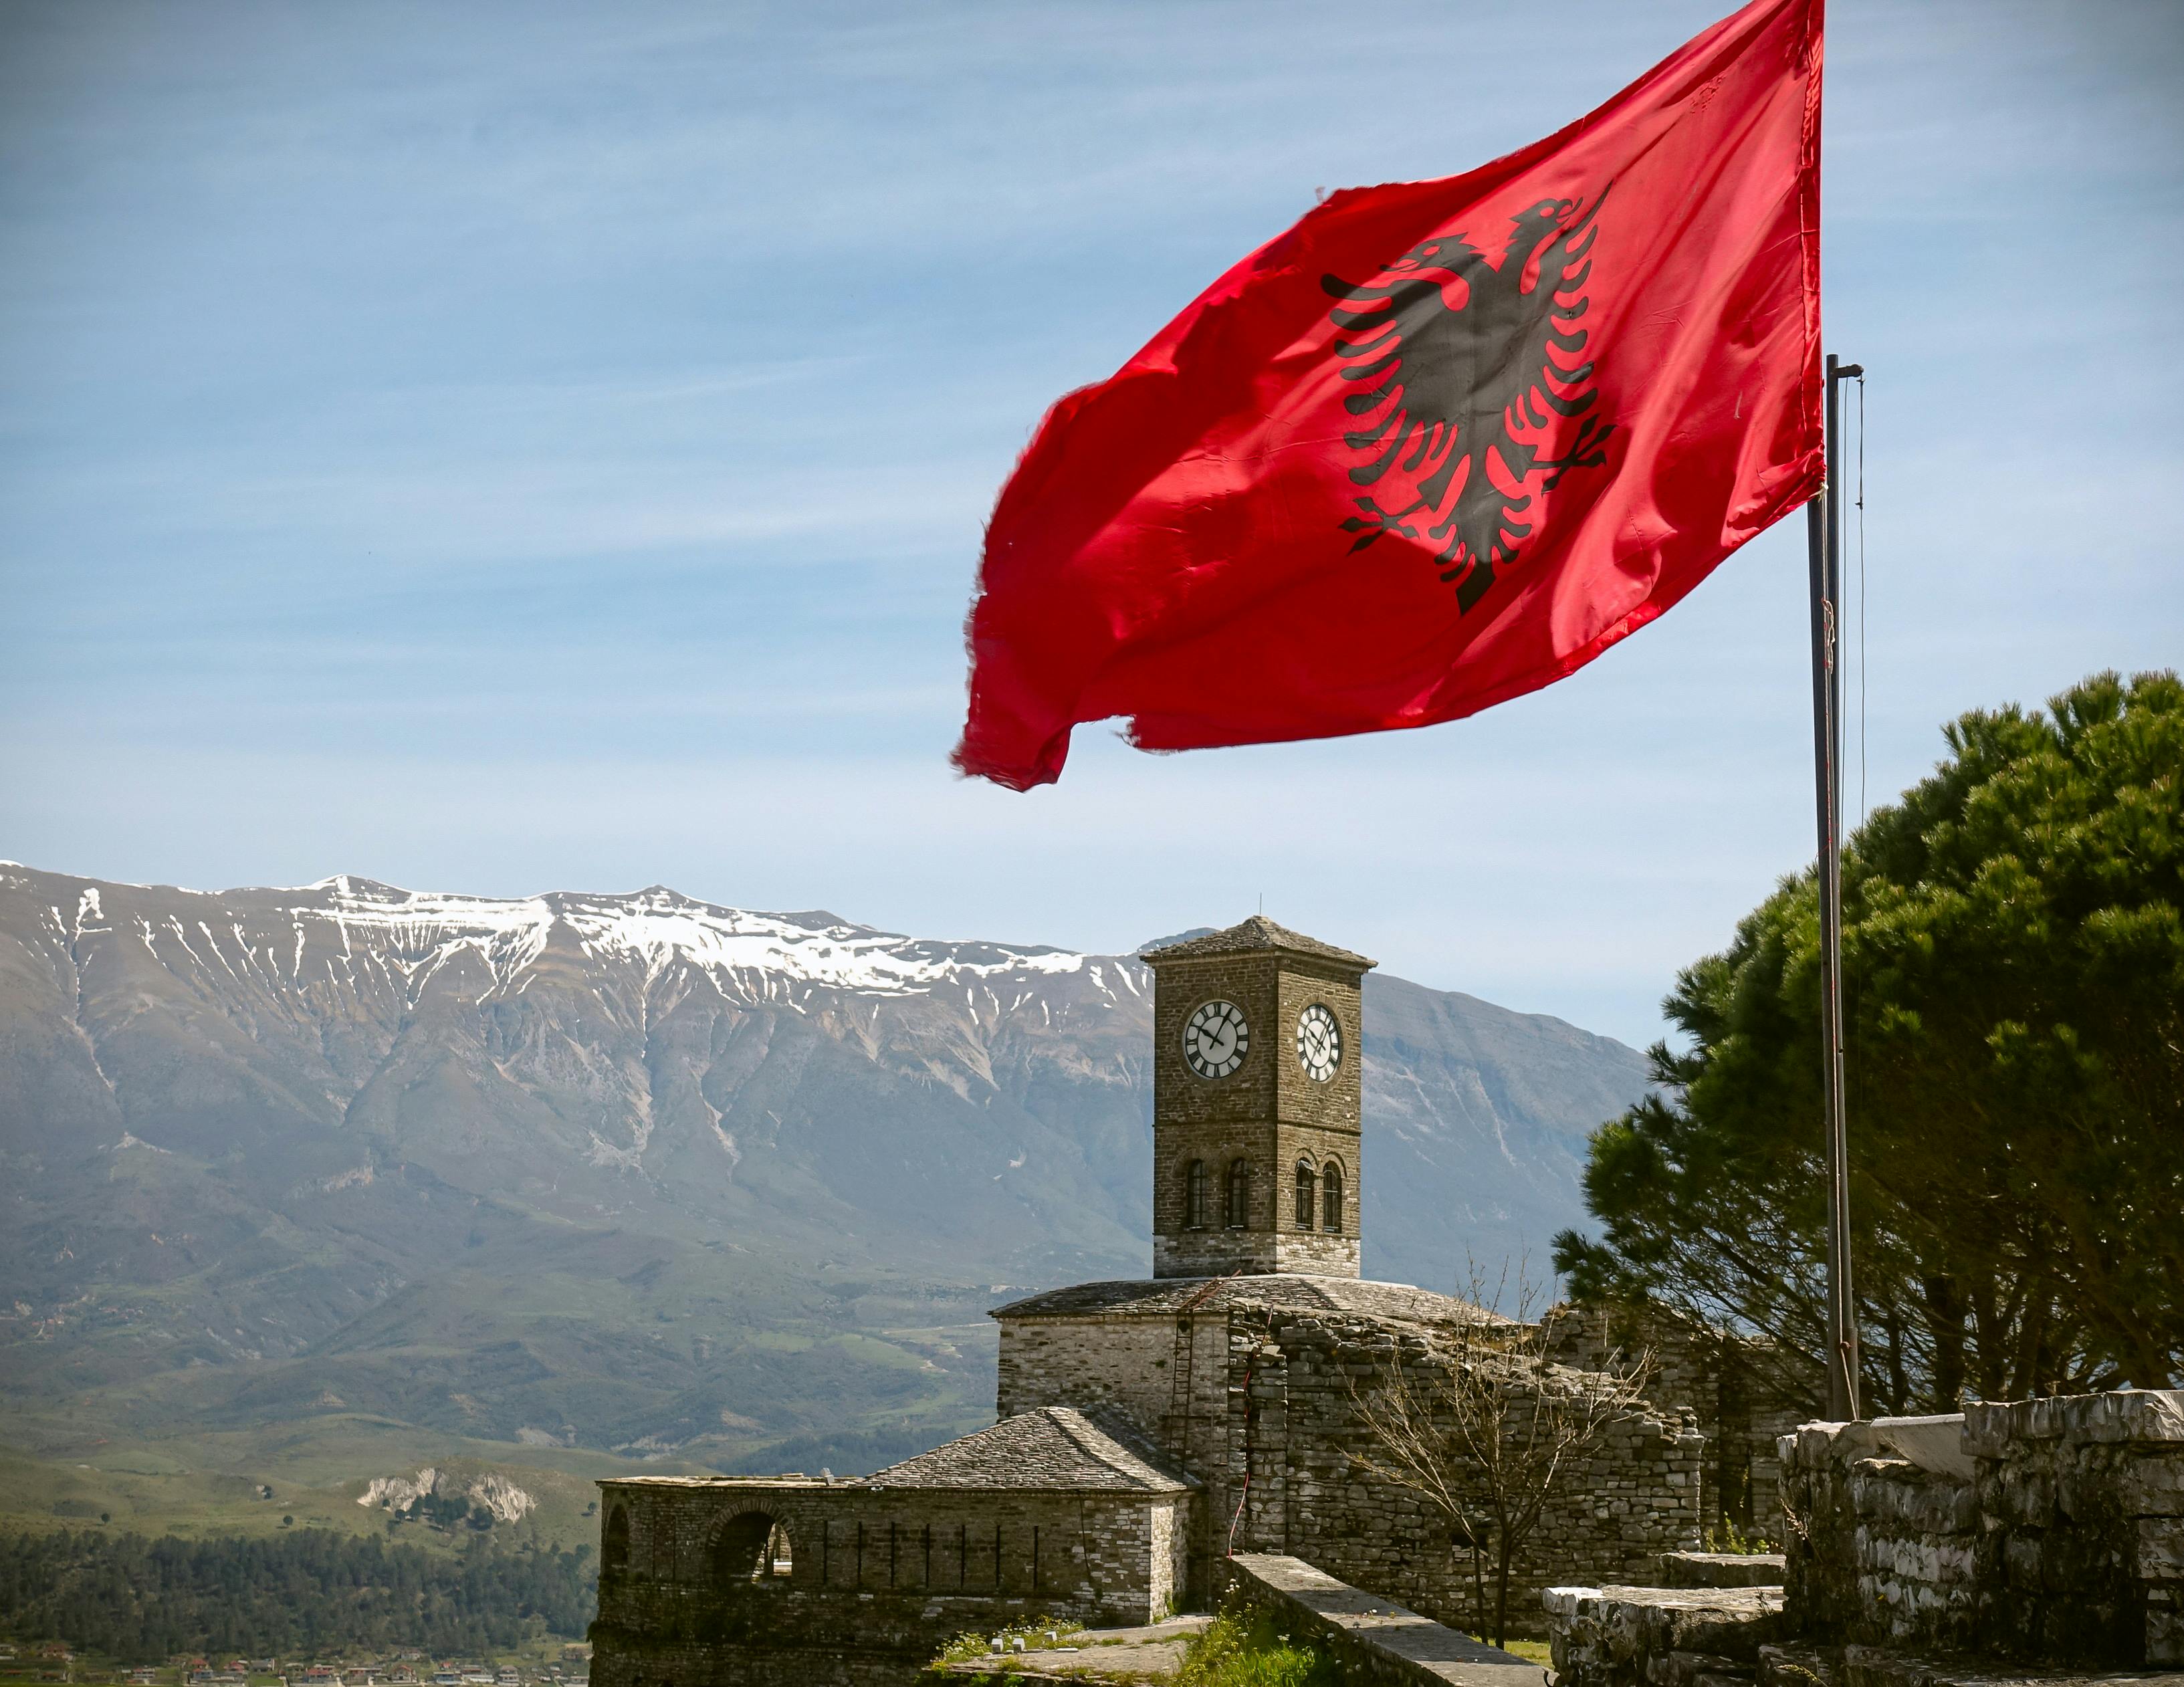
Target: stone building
(797,1579)
(1148,1428)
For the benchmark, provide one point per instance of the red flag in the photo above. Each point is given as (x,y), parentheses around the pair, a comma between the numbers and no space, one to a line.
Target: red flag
(1439,444)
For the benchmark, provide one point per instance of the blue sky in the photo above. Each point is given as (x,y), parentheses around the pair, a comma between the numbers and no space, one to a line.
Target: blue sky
(509,447)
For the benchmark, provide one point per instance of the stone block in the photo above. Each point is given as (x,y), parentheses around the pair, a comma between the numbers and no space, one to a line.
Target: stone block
(1898,1493)
(2128,1415)
(2020,1499)
(2152,1484)
(2164,1636)
(1986,1428)
(2148,1416)
(1721,1569)
(2161,1549)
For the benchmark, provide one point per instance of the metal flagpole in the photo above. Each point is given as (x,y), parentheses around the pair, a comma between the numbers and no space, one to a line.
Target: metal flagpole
(1824,527)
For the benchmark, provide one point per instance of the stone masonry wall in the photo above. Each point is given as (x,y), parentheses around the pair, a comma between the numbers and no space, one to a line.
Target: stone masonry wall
(1882,1529)
(2047,1529)
(878,1578)
(1133,1365)
(1292,1483)
(2080,1554)
(1747,1399)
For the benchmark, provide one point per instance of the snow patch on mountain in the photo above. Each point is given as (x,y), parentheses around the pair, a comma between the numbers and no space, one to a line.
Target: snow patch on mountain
(658,929)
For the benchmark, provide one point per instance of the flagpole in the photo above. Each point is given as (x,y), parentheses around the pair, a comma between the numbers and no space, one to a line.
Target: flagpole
(1824,531)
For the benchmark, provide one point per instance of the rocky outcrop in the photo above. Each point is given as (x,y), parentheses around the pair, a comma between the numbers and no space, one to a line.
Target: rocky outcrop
(490,1493)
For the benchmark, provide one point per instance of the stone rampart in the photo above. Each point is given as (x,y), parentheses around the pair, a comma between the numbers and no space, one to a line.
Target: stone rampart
(1661,1637)
(1747,1393)
(1293,1484)
(1884,1526)
(2047,1530)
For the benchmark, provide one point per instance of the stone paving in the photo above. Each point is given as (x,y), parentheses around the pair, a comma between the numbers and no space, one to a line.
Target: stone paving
(1149,1654)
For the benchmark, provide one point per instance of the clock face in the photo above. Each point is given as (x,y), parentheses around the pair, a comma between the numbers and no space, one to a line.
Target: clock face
(1318,1042)
(1215,1041)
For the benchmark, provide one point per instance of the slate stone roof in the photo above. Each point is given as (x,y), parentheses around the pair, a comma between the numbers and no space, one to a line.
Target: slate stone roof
(1250,937)
(1213,1297)
(1055,1447)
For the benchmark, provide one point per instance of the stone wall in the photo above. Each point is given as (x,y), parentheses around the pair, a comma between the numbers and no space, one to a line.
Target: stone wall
(2047,1530)
(1661,1637)
(1175,1388)
(2081,1503)
(1882,1527)
(1290,1483)
(873,1580)
(1747,1394)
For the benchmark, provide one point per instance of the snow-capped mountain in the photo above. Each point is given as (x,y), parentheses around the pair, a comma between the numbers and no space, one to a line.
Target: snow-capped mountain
(256,1126)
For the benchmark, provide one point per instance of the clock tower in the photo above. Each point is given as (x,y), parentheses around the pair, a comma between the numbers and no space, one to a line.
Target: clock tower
(1257,1104)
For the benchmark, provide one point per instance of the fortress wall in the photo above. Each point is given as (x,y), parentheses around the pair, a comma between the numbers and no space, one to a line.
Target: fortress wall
(1747,1393)
(2049,1529)
(1292,1483)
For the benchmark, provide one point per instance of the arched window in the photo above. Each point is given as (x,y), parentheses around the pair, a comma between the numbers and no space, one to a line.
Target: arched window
(1194,1196)
(1239,1194)
(1330,1196)
(613,1541)
(752,1547)
(1304,1202)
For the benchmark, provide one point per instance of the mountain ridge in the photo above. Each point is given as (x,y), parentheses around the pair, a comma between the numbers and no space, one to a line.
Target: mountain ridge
(631,1170)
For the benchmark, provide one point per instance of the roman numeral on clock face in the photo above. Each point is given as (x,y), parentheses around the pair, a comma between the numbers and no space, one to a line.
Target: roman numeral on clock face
(1318,1042)
(1216,1039)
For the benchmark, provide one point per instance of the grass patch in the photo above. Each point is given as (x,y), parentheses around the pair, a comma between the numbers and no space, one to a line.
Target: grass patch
(1037,1633)
(1246,1649)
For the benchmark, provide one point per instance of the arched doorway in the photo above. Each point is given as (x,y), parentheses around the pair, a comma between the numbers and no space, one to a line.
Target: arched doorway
(753,1547)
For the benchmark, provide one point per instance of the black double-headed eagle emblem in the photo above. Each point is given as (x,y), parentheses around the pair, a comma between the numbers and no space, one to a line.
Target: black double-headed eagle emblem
(1469,399)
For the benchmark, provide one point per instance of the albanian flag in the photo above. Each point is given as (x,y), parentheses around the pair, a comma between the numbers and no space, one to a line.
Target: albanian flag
(1439,444)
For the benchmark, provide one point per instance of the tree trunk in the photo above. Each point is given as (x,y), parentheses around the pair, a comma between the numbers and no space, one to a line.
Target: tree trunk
(1479,1584)
(1945,1318)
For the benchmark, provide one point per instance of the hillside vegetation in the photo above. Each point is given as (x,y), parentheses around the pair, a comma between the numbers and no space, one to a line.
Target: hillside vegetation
(311,1594)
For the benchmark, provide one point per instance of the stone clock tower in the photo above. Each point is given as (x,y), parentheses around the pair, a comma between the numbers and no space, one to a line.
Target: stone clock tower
(1257,1104)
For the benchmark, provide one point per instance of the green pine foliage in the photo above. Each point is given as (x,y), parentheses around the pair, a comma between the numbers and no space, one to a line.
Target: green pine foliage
(313,1592)
(2013,983)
